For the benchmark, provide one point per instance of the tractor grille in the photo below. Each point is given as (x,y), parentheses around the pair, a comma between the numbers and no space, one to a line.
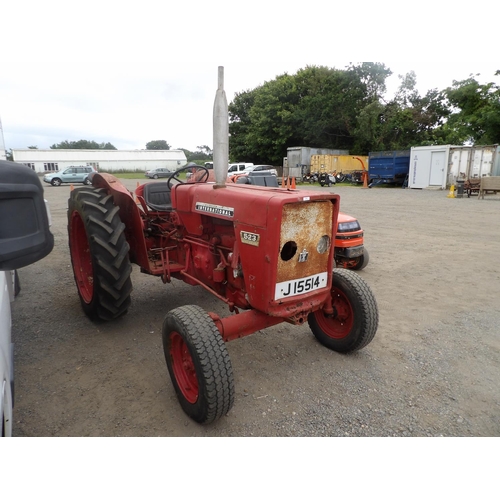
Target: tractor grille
(306,229)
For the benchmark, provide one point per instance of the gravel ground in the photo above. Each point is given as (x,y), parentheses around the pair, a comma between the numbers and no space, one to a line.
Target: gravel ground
(431,370)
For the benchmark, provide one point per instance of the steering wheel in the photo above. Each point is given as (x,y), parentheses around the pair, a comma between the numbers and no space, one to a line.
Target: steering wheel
(175,175)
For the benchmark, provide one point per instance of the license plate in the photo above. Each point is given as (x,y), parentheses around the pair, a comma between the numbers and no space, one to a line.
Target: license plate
(303,285)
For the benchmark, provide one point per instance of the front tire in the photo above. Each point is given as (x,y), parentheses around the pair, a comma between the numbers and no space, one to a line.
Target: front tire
(362,261)
(198,363)
(355,314)
(99,254)
(56,182)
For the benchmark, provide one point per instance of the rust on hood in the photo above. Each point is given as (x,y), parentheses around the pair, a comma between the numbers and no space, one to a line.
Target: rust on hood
(302,226)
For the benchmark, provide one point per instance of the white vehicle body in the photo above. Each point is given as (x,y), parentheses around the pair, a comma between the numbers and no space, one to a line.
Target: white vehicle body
(6,352)
(25,238)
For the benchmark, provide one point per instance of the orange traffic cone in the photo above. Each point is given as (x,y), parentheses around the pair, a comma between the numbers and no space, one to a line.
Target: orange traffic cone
(365,179)
(71,187)
(283,182)
(293,183)
(288,182)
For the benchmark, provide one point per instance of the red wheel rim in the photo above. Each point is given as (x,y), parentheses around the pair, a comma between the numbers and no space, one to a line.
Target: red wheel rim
(183,368)
(82,259)
(340,324)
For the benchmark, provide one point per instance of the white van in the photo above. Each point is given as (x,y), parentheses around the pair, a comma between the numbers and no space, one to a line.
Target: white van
(237,168)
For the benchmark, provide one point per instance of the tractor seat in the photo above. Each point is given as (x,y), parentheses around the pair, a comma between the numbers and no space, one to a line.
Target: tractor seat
(157,196)
(259,179)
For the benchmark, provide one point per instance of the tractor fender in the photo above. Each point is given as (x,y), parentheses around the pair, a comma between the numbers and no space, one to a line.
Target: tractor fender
(129,214)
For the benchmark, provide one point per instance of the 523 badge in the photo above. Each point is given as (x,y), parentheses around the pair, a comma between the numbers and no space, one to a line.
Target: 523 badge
(250,238)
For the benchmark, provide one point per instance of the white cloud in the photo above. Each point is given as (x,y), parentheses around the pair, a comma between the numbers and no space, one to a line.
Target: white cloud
(108,72)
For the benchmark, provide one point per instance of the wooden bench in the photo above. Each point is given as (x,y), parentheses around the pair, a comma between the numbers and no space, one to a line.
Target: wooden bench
(489,184)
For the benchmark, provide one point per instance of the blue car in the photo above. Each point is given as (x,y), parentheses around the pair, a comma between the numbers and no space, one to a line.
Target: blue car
(69,175)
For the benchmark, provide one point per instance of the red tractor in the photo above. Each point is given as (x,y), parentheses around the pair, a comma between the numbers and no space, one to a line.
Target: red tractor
(252,246)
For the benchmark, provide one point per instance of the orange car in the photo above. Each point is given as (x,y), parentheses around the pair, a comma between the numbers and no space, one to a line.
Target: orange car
(350,251)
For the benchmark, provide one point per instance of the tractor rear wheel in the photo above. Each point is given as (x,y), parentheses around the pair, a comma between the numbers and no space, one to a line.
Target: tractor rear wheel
(99,254)
(198,363)
(354,321)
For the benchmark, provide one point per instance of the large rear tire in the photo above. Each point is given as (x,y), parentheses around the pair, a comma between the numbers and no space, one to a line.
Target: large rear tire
(99,254)
(355,314)
(198,363)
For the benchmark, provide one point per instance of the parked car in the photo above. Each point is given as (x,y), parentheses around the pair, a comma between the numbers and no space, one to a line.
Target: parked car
(262,168)
(71,175)
(238,168)
(155,173)
(24,238)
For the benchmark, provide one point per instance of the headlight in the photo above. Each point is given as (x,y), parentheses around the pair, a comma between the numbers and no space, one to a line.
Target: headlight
(345,227)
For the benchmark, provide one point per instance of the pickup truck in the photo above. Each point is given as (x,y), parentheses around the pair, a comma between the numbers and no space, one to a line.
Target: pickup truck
(25,238)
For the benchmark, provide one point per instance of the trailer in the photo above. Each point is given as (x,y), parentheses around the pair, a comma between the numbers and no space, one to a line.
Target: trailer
(298,159)
(338,163)
(388,167)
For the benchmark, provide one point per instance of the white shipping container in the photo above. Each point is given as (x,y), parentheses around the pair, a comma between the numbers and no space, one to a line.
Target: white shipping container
(440,166)
(458,164)
(482,161)
(428,167)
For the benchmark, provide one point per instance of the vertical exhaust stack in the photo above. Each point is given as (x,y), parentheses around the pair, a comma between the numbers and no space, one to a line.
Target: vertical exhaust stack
(221,133)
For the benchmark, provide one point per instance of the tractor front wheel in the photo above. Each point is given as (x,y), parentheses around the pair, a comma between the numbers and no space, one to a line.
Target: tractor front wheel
(99,254)
(198,363)
(354,321)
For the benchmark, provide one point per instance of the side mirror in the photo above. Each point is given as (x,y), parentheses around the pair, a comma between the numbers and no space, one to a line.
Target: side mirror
(25,236)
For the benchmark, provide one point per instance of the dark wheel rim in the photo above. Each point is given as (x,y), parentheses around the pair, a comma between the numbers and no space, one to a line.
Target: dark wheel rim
(183,368)
(340,324)
(82,260)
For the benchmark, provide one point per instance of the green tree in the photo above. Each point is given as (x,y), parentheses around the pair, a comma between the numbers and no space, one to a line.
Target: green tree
(159,144)
(200,156)
(475,112)
(240,124)
(406,120)
(317,107)
(82,144)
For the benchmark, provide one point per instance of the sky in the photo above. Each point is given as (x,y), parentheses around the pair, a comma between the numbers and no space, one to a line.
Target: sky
(147,72)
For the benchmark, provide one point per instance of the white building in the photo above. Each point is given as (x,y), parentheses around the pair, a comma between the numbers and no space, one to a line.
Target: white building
(104,160)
